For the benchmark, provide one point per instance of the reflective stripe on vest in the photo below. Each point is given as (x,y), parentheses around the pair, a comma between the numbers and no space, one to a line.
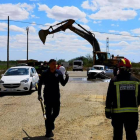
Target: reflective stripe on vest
(108,110)
(126,109)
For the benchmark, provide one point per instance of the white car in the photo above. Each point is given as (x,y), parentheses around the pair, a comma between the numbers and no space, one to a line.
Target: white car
(99,71)
(19,79)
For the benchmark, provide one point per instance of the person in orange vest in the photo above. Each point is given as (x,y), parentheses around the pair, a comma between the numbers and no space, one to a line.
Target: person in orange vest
(122,101)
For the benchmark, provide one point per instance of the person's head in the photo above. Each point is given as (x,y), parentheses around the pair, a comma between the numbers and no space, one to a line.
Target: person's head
(61,64)
(45,63)
(52,65)
(124,66)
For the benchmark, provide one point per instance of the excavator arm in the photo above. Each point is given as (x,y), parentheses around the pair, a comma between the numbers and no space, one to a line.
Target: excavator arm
(68,24)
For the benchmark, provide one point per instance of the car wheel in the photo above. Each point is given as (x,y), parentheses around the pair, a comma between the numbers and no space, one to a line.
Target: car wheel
(30,88)
(89,77)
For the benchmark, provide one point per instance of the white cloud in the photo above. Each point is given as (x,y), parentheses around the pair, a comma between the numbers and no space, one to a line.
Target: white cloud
(27,6)
(34,16)
(16,29)
(136,31)
(23,30)
(15,11)
(33,23)
(115,25)
(113,37)
(97,22)
(120,44)
(63,13)
(3,26)
(110,9)
(125,33)
(113,31)
(113,14)
(90,5)
(32,29)
(3,40)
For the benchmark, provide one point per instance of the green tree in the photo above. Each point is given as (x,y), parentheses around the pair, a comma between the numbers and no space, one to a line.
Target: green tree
(61,60)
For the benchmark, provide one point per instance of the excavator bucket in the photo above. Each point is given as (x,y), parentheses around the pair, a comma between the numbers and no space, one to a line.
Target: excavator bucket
(42,35)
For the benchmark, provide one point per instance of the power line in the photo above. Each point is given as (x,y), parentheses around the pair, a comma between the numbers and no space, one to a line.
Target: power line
(26,22)
(114,34)
(57,25)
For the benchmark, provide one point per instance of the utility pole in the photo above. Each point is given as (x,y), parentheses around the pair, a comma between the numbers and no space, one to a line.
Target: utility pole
(107,44)
(27,28)
(8,46)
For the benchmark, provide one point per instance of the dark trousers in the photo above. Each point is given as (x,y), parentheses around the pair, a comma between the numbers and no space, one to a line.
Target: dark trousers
(130,123)
(52,111)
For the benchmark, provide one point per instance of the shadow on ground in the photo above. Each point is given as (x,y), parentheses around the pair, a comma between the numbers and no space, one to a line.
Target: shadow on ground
(37,138)
(16,93)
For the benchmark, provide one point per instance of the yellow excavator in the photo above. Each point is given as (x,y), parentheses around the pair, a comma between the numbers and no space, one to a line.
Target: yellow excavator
(99,58)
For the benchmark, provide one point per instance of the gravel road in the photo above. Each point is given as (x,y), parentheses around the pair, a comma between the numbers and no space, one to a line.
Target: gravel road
(81,116)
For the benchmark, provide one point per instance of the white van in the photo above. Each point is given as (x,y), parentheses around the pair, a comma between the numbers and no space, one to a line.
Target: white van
(77,65)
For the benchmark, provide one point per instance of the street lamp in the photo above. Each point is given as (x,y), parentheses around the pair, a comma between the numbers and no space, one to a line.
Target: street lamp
(27,28)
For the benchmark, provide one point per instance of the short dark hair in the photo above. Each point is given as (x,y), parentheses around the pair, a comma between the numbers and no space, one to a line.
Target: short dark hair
(51,60)
(45,62)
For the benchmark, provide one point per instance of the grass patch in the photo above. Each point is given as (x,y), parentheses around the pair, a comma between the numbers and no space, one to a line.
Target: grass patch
(135,65)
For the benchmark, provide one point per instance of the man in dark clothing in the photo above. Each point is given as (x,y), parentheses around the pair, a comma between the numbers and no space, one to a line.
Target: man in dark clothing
(115,71)
(51,78)
(123,99)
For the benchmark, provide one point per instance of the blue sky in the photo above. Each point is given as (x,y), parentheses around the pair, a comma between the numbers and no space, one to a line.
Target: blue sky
(98,16)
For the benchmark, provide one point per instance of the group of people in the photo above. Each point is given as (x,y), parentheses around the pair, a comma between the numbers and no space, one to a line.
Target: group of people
(122,101)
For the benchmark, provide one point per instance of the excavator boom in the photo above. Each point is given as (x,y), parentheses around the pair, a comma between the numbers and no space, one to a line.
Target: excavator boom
(100,58)
(68,24)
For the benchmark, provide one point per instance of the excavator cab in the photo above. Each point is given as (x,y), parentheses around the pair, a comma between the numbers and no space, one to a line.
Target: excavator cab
(103,58)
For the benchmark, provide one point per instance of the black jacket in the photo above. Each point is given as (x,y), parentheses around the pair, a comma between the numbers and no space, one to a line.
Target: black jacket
(51,82)
(121,95)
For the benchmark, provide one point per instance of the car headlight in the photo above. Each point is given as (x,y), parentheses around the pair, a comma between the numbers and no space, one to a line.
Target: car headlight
(25,80)
(1,81)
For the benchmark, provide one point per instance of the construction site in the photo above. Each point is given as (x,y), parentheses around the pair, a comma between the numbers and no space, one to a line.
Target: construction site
(83,109)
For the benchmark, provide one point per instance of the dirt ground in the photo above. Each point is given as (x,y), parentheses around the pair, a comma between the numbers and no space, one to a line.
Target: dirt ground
(81,116)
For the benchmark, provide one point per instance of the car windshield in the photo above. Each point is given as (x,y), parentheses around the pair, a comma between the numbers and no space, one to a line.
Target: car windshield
(17,71)
(99,68)
(78,63)
(93,68)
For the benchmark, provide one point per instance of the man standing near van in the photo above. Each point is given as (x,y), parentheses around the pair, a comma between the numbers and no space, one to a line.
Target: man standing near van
(51,79)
